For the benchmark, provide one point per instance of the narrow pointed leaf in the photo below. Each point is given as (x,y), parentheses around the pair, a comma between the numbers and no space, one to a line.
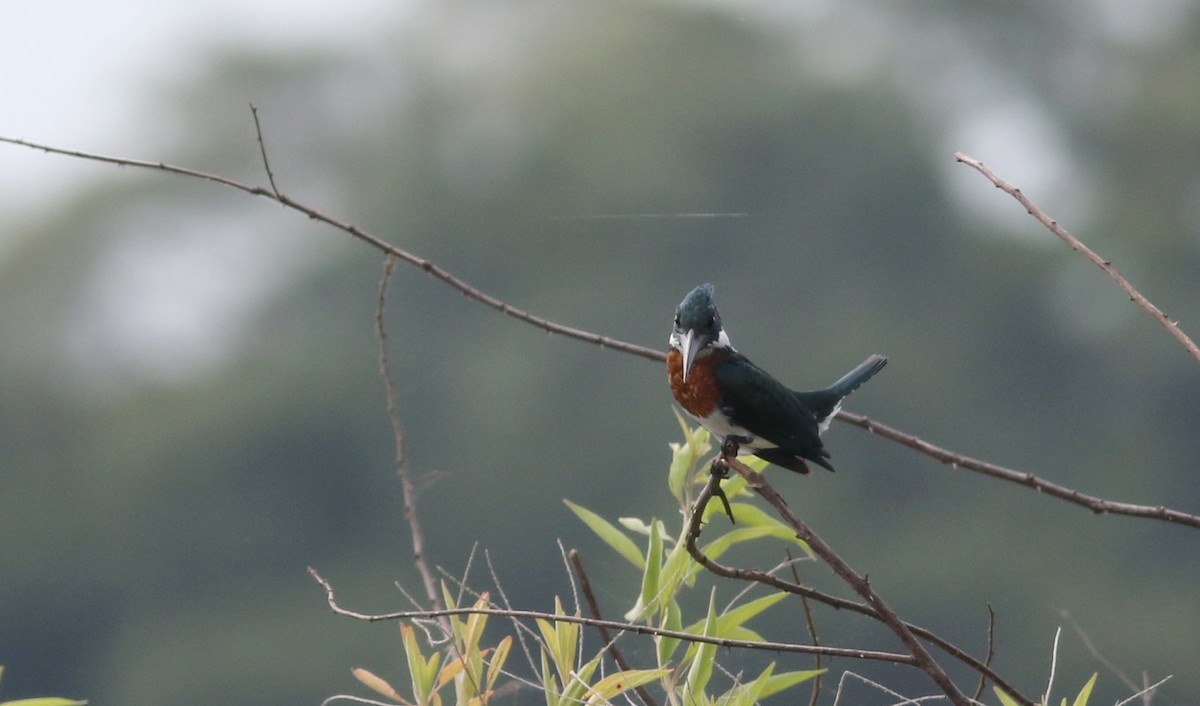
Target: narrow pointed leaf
(781,682)
(1005,699)
(737,616)
(497,662)
(702,663)
(549,683)
(378,684)
(44,701)
(1086,692)
(608,532)
(616,684)
(648,598)
(673,621)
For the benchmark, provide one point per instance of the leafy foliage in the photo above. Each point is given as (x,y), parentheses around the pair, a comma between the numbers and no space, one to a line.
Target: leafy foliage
(472,669)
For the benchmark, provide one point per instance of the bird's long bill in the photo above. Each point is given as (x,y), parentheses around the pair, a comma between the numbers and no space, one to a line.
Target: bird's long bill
(689,347)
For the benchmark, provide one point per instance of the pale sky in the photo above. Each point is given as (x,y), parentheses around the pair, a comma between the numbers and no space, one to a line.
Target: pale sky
(78,74)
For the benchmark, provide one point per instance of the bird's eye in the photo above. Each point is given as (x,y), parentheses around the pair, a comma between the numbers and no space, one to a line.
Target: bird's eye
(712,322)
(677,320)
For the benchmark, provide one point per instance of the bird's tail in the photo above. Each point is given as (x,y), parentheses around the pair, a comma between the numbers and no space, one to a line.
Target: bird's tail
(851,380)
(824,403)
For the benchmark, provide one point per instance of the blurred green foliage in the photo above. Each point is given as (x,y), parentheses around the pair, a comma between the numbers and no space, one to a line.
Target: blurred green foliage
(192,414)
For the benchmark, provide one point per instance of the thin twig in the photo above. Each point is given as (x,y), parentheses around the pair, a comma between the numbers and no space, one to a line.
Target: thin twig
(517,625)
(1076,245)
(1091,647)
(585,585)
(1053,666)
(406,483)
(920,656)
(1145,694)
(262,148)
(851,653)
(991,647)
(812,632)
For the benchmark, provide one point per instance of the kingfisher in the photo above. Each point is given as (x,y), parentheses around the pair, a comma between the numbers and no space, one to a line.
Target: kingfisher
(740,402)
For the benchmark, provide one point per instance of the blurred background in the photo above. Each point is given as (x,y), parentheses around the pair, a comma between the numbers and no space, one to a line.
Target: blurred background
(190,410)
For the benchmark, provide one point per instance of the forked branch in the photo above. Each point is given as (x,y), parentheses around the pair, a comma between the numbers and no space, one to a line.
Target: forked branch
(879,609)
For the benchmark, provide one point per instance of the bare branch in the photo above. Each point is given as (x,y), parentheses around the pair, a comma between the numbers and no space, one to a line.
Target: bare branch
(812,631)
(372,240)
(851,653)
(1097,505)
(262,148)
(406,482)
(1076,245)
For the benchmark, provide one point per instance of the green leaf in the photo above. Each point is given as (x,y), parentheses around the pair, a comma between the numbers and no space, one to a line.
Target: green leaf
(729,625)
(615,684)
(1086,692)
(702,663)
(612,536)
(753,522)
(422,673)
(683,460)
(744,612)
(497,662)
(636,525)
(560,639)
(648,598)
(549,683)
(673,620)
(781,682)
(40,701)
(1005,699)
(575,691)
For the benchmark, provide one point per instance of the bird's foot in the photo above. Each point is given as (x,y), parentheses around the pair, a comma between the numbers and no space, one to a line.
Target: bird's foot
(731,444)
(720,467)
(718,491)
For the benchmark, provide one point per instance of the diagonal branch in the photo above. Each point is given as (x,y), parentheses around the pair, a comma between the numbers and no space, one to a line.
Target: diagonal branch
(372,240)
(1079,247)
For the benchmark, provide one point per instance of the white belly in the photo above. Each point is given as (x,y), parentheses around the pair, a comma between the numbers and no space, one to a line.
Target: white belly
(720,427)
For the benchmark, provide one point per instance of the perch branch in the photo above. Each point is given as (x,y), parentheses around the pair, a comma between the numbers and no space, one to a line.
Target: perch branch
(1097,505)
(836,602)
(920,657)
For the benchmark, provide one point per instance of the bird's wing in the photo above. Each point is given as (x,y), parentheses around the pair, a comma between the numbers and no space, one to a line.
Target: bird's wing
(754,400)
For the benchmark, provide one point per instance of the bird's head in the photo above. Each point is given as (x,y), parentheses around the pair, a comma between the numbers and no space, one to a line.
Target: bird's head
(697,326)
